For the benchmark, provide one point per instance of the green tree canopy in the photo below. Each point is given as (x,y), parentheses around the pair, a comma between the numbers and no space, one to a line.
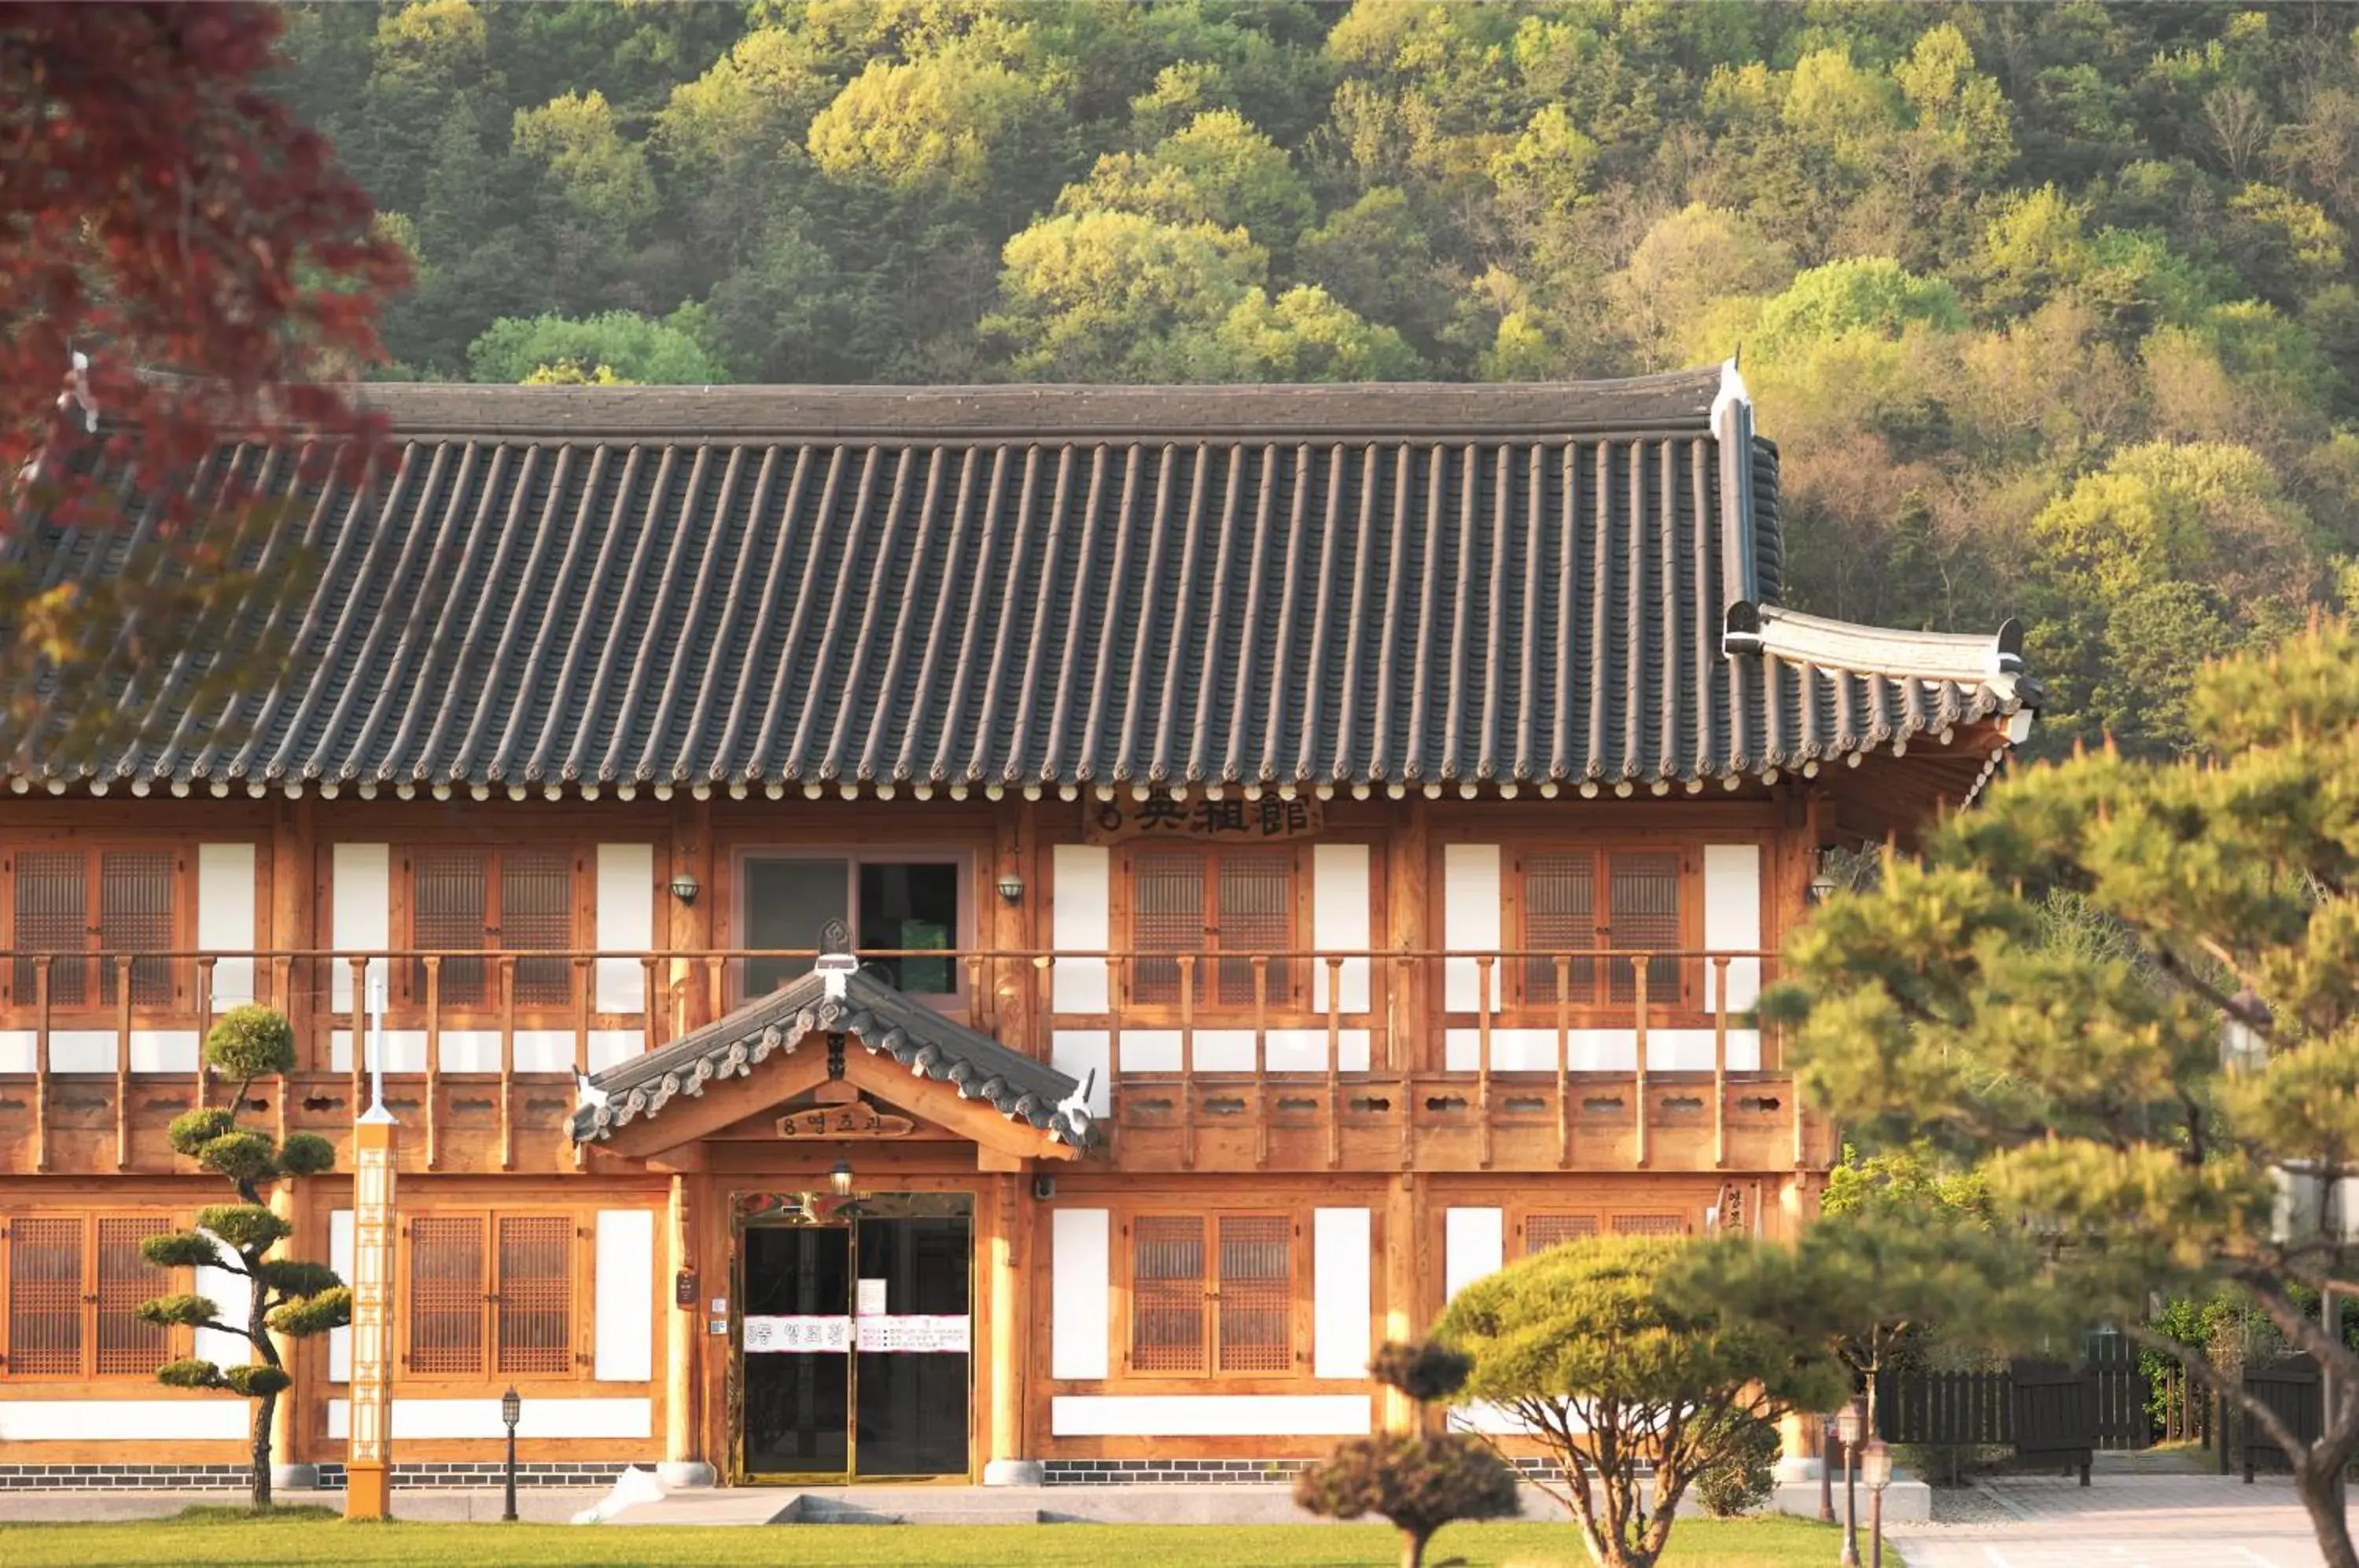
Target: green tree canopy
(2091,1083)
(626,346)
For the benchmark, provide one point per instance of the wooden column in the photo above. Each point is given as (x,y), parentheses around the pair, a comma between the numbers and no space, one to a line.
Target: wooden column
(1403,1218)
(690,927)
(288,1202)
(684,1462)
(291,909)
(1005,1258)
(1408,870)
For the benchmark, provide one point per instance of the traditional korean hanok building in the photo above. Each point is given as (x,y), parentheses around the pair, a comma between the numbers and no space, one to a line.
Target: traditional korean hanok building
(1083,912)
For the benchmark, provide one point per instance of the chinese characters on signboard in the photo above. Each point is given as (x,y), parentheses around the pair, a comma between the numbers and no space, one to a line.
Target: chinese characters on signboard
(844,1121)
(1225,820)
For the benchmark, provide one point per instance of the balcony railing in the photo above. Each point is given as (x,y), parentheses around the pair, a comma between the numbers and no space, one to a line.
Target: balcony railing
(1370,1058)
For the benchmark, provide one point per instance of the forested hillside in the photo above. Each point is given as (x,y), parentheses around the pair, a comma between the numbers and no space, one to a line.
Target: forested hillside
(2051,308)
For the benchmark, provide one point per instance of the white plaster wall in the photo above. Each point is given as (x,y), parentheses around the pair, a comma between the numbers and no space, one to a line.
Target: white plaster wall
(215,1416)
(1731,920)
(1081,918)
(609,1048)
(405,1051)
(227,1291)
(626,922)
(1080,1291)
(1339,923)
(162,1051)
(625,1296)
(1473,1243)
(1077,1054)
(360,912)
(1471,916)
(1340,1293)
(1209,1415)
(1599,1049)
(225,916)
(340,1258)
(1231,1051)
(416,1419)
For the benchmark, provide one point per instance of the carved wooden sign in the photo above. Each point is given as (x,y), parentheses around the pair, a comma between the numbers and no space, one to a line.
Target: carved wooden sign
(1227,820)
(844,1121)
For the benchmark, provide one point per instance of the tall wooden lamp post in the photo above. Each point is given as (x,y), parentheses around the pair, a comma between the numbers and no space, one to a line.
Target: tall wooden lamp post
(368,1463)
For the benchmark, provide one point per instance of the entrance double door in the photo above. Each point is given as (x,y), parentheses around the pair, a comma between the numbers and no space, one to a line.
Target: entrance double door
(854,1341)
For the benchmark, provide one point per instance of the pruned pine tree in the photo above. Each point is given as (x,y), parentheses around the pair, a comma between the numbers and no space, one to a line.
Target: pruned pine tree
(1419,1483)
(284,1297)
(2174,1109)
(1634,1389)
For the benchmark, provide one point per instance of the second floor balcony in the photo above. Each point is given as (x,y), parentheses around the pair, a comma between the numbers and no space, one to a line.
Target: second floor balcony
(1207,1059)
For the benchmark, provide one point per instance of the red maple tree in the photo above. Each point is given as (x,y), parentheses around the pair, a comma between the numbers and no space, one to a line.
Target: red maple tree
(181,263)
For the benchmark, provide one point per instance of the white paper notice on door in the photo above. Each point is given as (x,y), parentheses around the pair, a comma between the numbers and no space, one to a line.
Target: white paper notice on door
(869,1300)
(802,1335)
(914,1335)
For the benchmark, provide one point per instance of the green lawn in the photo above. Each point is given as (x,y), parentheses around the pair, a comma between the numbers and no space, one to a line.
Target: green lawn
(1696,1543)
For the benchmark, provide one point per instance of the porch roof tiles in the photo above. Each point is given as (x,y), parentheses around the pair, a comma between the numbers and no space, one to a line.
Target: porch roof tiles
(866,1009)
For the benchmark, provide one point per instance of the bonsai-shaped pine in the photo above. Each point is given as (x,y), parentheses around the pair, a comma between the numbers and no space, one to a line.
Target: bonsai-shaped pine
(1615,1373)
(1418,1483)
(297,1299)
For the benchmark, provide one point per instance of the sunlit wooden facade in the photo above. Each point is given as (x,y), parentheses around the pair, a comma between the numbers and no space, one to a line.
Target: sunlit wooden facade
(1295,851)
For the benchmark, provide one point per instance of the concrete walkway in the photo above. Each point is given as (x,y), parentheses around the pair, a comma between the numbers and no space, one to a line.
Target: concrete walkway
(2123,1520)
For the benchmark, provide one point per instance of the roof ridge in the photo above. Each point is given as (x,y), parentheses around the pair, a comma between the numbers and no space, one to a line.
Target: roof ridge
(1680,400)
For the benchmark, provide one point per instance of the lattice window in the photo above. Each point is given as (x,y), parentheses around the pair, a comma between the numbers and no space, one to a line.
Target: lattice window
(134,915)
(1166,1293)
(446,1294)
(44,1297)
(1255,1293)
(53,917)
(1560,916)
(1544,1231)
(466,900)
(1166,915)
(450,912)
(127,1346)
(1255,914)
(535,1293)
(1643,916)
(537,915)
(1577,901)
(1650,1225)
(1211,903)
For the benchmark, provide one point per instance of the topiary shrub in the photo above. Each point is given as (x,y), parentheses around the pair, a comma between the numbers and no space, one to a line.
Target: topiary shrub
(1739,1476)
(1419,1483)
(284,1297)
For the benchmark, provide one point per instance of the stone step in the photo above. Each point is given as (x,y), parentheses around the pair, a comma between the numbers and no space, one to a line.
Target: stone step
(957,1506)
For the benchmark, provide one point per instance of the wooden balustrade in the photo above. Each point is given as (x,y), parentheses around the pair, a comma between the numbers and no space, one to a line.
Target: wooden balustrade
(1552,1061)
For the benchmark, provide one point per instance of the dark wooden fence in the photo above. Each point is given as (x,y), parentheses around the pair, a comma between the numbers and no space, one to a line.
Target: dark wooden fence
(2291,1390)
(2056,1412)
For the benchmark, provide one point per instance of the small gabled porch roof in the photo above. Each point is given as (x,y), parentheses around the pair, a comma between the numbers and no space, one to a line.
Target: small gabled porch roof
(955,1076)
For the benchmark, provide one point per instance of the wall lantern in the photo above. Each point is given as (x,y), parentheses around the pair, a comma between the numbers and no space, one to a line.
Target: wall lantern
(1822,877)
(685,886)
(1011,887)
(839,1181)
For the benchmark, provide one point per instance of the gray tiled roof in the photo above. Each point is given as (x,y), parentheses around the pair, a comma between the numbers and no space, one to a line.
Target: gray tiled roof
(569,587)
(870,1012)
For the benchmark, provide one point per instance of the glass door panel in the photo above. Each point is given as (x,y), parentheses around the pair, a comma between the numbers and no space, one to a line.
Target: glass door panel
(915,1347)
(788,902)
(797,1339)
